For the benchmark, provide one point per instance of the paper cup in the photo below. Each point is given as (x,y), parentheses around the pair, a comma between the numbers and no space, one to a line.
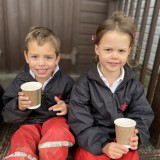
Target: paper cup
(33,91)
(124,130)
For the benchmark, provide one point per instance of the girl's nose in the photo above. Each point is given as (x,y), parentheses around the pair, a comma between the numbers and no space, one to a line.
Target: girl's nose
(114,54)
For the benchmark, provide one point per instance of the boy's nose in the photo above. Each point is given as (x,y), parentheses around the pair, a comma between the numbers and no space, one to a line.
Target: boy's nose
(41,61)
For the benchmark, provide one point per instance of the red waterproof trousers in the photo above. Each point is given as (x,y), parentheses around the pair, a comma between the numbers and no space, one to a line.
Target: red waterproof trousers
(47,142)
(82,154)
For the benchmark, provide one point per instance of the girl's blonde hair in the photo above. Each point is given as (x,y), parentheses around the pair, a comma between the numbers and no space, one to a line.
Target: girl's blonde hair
(42,35)
(121,23)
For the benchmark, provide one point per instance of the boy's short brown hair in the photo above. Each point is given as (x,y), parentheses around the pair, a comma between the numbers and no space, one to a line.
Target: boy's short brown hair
(42,35)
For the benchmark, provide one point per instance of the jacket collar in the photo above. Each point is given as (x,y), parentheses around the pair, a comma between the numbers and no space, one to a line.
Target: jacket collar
(25,76)
(93,74)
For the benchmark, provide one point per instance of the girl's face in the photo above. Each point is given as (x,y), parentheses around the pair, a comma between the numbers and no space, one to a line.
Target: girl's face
(42,60)
(113,50)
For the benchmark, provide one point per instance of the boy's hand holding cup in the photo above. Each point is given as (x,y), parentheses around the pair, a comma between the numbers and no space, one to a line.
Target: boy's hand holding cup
(125,129)
(33,91)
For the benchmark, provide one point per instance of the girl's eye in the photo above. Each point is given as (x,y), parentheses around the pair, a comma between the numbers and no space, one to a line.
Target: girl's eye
(121,51)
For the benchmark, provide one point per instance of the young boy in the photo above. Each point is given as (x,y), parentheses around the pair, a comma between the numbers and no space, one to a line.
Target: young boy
(42,133)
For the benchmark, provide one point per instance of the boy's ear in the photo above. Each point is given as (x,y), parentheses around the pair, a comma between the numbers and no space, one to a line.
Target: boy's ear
(26,57)
(58,59)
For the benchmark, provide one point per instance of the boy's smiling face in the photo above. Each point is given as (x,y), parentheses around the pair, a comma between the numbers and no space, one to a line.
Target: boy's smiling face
(42,60)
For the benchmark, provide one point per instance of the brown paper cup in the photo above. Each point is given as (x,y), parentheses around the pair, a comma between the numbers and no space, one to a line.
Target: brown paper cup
(33,91)
(124,130)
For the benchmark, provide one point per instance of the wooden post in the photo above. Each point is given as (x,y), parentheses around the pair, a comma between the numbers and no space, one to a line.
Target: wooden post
(155,127)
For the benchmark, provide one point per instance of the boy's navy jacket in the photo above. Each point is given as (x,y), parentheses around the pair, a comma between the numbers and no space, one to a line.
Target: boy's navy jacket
(1,101)
(93,109)
(60,85)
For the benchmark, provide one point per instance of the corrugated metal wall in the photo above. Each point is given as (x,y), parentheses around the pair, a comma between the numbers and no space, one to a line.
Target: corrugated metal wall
(17,16)
(147,17)
(73,21)
(147,29)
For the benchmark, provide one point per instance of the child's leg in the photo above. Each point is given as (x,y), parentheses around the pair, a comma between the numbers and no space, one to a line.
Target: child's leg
(24,143)
(56,138)
(82,154)
(130,156)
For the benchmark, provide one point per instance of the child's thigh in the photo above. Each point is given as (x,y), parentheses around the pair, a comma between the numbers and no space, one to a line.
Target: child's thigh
(26,139)
(82,154)
(56,125)
(56,131)
(130,156)
(28,131)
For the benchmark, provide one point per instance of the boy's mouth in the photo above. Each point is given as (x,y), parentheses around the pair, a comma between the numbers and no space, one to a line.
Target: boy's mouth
(41,71)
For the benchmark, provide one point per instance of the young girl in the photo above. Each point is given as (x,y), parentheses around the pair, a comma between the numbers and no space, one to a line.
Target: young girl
(42,133)
(109,90)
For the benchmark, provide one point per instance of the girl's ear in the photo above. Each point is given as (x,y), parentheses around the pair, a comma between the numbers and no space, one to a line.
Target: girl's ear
(26,56)
(129,51)
(96,49)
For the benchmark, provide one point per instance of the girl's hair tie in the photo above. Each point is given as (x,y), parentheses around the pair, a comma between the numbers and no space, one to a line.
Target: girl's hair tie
(93,37)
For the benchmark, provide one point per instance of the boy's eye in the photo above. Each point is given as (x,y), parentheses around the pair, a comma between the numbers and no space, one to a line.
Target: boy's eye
(108,49)
(49,58)
(34,57)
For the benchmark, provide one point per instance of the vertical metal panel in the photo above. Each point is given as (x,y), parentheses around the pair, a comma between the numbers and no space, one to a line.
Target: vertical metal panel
(68,24)
(75,31)
(12,29)
(50,14)
(150,40)
(125,6)
(36,12)
(131,8)
(155,127)
(154,74)
(120,3)
(142,29)
(111,7)
(24,25)
(66,34)
(58,17)
(45,13)
(137,14)
(2,39)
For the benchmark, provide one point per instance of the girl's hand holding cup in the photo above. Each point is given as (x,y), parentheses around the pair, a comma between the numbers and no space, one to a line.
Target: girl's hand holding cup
(126,134)
(134,141)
